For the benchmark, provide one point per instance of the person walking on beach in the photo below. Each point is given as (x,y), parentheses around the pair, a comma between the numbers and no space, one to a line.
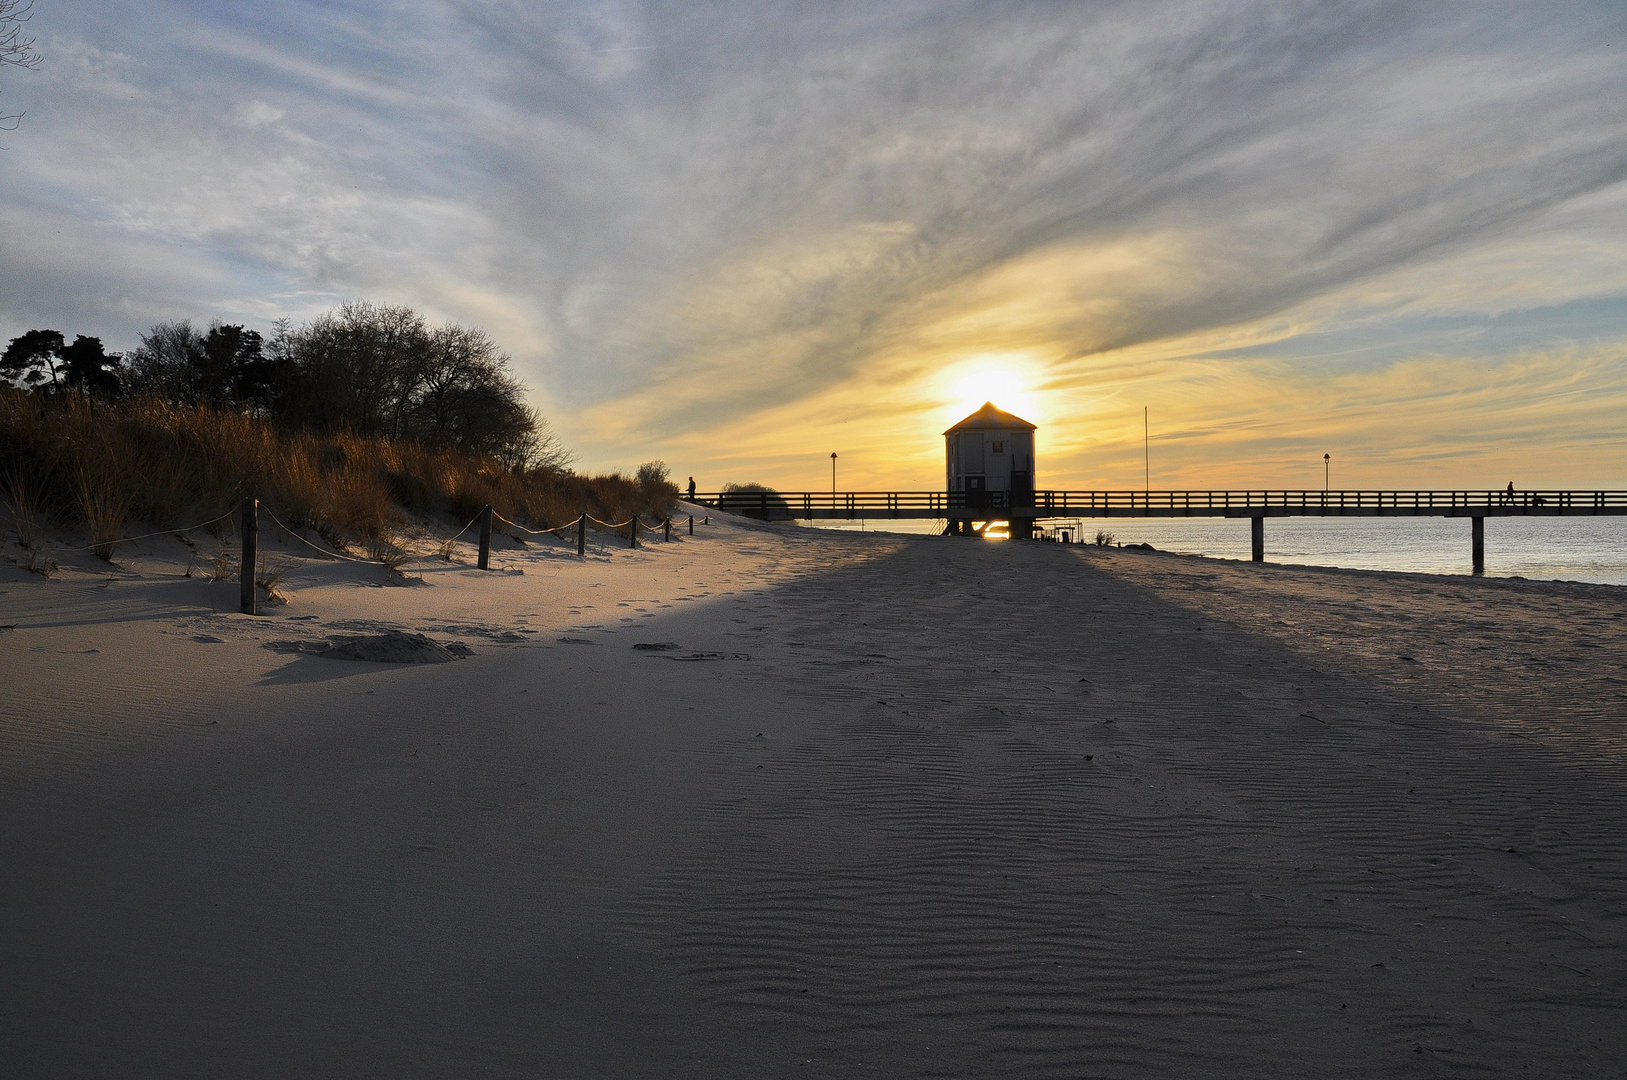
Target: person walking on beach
(692,489)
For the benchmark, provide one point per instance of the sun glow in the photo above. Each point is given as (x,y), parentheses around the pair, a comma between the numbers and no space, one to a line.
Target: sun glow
(1008,381)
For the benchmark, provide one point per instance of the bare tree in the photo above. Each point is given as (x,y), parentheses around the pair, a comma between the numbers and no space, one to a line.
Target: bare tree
(166,363)
(462,395)
(356,368)
(454,368)
(16,50)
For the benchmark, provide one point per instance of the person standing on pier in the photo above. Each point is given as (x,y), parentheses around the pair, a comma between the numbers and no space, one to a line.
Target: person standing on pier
(692,489)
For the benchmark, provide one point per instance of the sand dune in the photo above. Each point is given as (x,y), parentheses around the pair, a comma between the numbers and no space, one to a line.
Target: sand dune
(882,806)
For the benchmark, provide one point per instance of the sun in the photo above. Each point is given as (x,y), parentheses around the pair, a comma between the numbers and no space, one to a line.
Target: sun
(1010,382)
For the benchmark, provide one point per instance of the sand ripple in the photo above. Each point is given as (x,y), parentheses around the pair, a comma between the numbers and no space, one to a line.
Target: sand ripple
(1212,856)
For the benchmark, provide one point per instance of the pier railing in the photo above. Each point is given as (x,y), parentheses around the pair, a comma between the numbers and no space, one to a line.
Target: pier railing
(1218,503)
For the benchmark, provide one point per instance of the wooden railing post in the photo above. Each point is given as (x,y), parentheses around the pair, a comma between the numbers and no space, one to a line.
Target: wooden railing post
(582,534)
(691,524)
(666,527)
(251,554)
(632,532)
(484,562)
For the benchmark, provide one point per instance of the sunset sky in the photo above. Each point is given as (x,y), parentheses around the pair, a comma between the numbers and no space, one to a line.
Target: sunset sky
(741,236)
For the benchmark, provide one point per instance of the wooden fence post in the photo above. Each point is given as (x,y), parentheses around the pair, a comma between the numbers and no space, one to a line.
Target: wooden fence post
(666,527)
(632,532)
(691,524)
(485,538)
(582,534)
(251,554)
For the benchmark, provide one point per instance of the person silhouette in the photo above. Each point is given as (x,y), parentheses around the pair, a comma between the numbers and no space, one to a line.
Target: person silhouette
(1508,496)
(692,489)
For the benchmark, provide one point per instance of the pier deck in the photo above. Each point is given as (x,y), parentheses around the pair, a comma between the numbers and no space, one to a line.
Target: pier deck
(929,505)
(960,510)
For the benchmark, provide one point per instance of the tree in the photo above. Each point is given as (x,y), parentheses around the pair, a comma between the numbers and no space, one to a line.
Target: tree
(166,363)
(367,368)
(34,357)
(355,368)
(655,486)
(232,366)
(225,368)
(462,395)
(40,356)
(382,370)
(456,369)
(15,49)
(88,367)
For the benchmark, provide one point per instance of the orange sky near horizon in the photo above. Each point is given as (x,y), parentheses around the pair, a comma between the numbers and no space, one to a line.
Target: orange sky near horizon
(1237,407)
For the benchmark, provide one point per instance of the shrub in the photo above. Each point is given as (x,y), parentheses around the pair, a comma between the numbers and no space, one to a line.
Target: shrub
(769,505)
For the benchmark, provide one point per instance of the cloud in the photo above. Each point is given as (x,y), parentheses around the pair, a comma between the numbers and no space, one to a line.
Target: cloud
(257,114)
(691,223)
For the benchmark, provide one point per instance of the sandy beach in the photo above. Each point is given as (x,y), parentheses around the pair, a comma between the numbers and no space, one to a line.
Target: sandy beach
(865,805)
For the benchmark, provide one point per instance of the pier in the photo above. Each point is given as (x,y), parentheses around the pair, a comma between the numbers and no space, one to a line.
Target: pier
(962,511)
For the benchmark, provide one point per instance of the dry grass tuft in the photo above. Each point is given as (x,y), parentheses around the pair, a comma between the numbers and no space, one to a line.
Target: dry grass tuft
(384,547)
(175,467)
(268,578)
(221,567)
(104,504)
(23,500)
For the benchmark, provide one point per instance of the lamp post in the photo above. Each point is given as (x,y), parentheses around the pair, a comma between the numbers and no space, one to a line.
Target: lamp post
(1327,460)
(833,479)
(1146,453)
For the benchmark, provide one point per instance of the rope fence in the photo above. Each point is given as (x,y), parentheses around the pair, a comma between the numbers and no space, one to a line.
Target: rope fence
(109,545)
(321,551)
(465,529)
(555,531)
(249,529)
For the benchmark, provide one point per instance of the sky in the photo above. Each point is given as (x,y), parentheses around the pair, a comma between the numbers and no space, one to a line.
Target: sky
(738,237)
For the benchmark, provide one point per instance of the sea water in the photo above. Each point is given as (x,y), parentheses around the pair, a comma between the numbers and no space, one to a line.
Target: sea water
(1543,548)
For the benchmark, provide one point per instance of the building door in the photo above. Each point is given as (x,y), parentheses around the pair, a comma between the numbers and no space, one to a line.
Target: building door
(976,496)
(1022,488)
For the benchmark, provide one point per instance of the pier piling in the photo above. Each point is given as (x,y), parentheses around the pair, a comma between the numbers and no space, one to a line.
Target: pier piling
(1257,536)
(1477,531)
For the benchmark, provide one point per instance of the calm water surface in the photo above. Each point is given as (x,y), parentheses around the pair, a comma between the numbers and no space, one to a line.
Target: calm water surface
(1567,549)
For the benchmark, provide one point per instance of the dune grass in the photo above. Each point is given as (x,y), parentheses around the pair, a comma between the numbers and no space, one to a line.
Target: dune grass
(96,466)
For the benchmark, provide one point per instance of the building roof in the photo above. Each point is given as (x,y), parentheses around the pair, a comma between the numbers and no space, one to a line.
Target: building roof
(991,417)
